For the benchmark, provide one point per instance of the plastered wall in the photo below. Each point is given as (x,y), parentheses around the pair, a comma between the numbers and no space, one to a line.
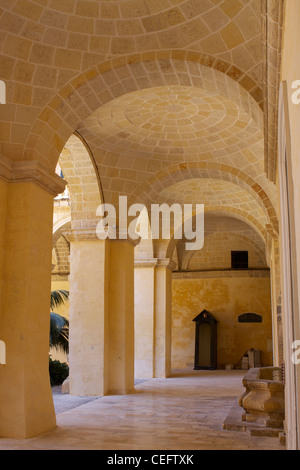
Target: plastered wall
(226,298)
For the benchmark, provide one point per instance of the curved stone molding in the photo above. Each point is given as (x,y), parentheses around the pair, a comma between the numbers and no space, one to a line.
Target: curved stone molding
(166,263)
(272,21)
(145,263)
(78,235)
(93,234)
(31,171)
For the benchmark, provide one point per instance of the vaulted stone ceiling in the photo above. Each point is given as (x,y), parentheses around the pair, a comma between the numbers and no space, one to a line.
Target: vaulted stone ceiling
(95,30)
(45,44)
(182,121)
(148,84)
(144,132)
(213,194)
(222,234)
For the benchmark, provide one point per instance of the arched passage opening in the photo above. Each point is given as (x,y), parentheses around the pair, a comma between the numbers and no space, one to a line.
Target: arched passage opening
(206,280)
(147,140)
(185,122)
(169,85)
(145,121)
(74,216)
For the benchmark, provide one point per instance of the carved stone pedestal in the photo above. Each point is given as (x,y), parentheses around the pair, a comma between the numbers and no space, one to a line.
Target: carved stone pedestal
(263,399)
(260,410)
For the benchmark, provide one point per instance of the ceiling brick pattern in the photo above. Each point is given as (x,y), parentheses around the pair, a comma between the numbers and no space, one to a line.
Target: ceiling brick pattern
(162,93)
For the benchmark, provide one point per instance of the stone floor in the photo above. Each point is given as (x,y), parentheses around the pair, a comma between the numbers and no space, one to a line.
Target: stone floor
(185,411)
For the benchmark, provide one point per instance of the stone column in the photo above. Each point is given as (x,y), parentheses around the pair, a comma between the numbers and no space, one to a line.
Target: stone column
(101,315)
(121,316)
(89,322)
(26,191)
(144,303)
(163,318)
(153,317)
(276,303)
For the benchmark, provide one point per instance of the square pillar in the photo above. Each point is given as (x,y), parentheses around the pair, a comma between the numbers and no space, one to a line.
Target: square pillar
(153,317)
(121,317)
(276,303)
(163,318)
(101,315)
(144,290)
(26,405)
(89,304)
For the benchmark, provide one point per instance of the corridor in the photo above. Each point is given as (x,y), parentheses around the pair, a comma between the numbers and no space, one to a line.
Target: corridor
(185,411)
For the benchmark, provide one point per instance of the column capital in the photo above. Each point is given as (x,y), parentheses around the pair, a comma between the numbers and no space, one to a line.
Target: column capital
(154,262)
(29,171)
(145,263)
(94,234)
(166,263)
(114,234)
(81,234)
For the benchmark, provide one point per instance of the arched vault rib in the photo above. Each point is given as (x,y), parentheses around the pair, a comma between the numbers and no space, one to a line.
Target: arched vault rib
(59,226)
(216,223)
(166,247)
(187,259)
(150,191)
(83,183)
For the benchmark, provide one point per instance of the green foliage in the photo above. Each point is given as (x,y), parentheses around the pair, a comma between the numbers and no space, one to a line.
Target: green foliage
(59,325)
(58,371)
(59,332)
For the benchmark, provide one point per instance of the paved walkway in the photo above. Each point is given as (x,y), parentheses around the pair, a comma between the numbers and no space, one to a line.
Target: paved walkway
(184,412)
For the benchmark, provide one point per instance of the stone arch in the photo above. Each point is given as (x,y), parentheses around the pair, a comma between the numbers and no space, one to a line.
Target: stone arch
(61,256)
(83,182)
(187,260)
(59,226)
(89,91)
(168,246)
(239,215)
(149,190)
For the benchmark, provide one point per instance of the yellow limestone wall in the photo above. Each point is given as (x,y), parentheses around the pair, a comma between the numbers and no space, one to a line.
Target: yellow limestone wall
(225,298)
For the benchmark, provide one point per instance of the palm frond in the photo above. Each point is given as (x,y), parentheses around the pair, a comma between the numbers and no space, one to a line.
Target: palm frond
(58,297)
(59,332)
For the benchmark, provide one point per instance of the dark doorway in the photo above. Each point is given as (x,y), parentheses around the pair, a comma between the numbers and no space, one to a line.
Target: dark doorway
(205,341)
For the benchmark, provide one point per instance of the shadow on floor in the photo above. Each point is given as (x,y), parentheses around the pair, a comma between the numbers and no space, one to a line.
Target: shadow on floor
(64,401)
